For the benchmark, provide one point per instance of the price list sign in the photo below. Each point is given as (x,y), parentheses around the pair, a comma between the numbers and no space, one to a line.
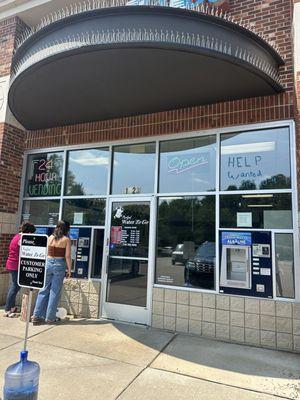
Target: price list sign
(32,261)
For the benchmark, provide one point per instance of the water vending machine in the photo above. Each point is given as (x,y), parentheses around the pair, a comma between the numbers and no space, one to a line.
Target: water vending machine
(246,263)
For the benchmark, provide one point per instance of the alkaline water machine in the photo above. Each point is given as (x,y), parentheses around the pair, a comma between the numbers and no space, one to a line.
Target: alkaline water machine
(246,263)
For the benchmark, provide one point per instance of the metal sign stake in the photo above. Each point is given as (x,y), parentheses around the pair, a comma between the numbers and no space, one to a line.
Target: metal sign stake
(28,318)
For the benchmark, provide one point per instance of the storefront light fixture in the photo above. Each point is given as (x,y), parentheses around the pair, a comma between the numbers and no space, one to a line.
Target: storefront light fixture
(256,196)
(259,205)
(248,148)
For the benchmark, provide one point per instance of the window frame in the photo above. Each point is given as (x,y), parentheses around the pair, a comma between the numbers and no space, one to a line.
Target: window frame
(67,155)
(290,124)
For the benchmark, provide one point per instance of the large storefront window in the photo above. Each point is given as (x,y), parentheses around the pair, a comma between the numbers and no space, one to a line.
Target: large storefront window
(41,212)
(44,175)
(186,242)
(191,178)
(84,211)
(256,160)
(264,211)
(188,165)
(133,169)
(87,172)
(284,256)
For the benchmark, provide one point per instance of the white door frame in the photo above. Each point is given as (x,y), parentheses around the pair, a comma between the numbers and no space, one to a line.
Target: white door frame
(124,312)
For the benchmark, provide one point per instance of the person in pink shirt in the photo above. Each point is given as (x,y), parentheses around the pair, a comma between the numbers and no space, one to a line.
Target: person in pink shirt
(12,265)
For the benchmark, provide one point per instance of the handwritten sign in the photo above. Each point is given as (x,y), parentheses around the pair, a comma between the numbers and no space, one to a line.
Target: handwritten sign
(244,167)
(32,261)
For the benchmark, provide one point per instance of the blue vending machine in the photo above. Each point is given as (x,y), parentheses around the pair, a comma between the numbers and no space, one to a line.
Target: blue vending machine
(246,263)
(80,248)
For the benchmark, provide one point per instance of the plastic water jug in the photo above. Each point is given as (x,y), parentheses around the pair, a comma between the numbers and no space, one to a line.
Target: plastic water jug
(22,380)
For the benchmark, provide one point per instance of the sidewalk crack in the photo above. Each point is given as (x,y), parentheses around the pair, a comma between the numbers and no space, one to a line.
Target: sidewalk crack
(147,366)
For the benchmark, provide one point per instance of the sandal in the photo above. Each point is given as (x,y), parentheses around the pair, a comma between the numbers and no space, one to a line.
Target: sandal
(37,320)
(53,322)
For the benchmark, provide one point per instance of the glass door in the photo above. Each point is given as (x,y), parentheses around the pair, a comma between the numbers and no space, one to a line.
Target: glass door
(127,273)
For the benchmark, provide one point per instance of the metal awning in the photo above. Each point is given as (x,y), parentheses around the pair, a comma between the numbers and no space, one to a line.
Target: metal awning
(120,61)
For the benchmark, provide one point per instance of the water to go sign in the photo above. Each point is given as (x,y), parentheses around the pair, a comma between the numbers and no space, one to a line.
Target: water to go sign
(32,262)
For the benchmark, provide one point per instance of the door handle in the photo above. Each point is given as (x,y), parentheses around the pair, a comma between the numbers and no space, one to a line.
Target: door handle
(107,261)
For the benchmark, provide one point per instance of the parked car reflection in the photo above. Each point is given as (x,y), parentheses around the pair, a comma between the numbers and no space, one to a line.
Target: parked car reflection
(200,269)
(177,254)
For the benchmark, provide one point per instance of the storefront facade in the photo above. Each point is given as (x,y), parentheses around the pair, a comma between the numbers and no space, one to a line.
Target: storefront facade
(184,220)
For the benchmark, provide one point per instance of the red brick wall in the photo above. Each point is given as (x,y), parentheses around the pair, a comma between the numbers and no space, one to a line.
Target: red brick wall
(246,111)
(11,139)
(9,29)
(11,156)
(272,18)
(11,159)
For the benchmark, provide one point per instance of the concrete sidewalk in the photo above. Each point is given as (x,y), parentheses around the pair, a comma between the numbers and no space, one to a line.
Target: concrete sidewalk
(88,359)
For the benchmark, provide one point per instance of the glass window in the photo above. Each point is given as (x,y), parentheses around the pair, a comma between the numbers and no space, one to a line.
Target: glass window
(44,175)
(188,165)
(87,172)
(129,235)
(249,160)
(265,211)
(186,242)
(133,169)
(41,212)
(84,211)
(284,258)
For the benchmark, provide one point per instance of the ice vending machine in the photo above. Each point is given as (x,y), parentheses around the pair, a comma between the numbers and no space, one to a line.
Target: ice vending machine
(246,263)
(80,249)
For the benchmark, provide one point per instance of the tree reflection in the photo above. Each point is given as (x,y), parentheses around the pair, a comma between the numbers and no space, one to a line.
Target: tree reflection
(186,219)
(74,188)
(279,181)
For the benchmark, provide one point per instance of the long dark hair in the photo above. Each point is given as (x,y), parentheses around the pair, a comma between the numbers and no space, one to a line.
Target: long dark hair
(27,227)
(62,228)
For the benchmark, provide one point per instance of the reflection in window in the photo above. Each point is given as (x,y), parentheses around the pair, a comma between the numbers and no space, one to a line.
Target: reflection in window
(84,211)
(188,165)
(44,175)
(133,169)
(186,241)
(87,172)
(284,257)
(41,212)
(266,211)
(249,160)
(127,281)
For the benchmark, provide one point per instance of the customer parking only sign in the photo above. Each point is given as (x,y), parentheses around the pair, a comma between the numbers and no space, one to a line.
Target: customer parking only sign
(32,262)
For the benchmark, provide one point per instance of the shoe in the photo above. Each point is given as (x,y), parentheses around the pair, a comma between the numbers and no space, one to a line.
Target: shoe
(11,313)
(37,320)
(54,322)
(7,314)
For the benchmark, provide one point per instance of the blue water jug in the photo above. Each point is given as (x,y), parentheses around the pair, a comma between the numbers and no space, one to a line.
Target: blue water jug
(22,380)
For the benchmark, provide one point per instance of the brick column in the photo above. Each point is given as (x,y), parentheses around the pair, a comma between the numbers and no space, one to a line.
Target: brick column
(11,141)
